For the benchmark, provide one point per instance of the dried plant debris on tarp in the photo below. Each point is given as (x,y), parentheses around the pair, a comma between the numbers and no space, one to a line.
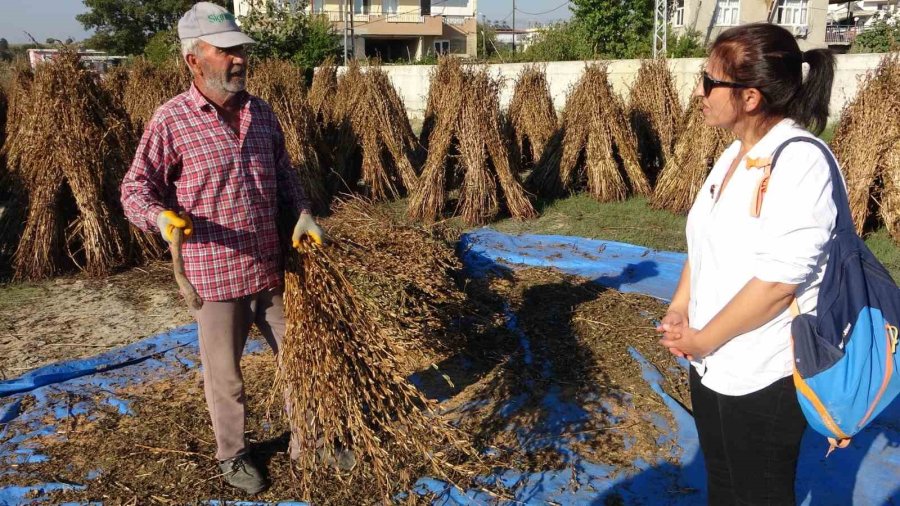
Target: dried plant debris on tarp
(864,139)
(70,144)
(696,151)
(280,84)
(596,148)
(572,386)
(574,382)
(467,151)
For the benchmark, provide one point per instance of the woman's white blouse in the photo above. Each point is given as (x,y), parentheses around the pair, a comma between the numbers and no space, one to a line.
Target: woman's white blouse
(727,247)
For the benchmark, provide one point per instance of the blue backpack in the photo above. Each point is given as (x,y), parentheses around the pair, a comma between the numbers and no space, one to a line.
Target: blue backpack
(845,357)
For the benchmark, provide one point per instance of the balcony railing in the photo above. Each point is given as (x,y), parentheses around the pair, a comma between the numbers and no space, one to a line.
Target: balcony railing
(839,35)
(455,20)
(338,16)
(404,18)
(333,16)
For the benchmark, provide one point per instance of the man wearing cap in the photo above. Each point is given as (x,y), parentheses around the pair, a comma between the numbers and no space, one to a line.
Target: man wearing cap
(212,162)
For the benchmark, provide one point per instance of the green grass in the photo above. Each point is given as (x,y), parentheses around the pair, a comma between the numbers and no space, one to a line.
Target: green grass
(887,252)
(14,294)
(828,134)
(633,221)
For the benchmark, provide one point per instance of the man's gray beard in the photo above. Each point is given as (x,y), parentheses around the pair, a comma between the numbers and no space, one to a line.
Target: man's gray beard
(228,85)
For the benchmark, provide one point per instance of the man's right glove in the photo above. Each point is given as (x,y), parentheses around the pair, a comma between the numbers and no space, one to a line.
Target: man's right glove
(167,221)
(306,227)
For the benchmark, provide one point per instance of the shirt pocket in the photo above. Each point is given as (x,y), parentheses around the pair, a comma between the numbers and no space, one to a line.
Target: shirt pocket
(207,165)
(261,170)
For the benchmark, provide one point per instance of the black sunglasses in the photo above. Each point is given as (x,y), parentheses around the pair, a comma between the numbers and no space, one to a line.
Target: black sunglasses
(709,83)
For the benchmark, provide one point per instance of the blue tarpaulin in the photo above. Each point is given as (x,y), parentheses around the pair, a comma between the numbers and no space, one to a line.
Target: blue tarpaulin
(865,473)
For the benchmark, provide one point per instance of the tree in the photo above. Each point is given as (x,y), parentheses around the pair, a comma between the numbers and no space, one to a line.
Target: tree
(617,28)
(882,36)
(320,42)
(686,45)
(125,26)
(487,40)
(5,53)
(283,30)
(162,46)
(562,42)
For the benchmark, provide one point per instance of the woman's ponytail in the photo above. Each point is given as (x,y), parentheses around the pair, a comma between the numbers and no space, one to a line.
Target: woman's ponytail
(810,104)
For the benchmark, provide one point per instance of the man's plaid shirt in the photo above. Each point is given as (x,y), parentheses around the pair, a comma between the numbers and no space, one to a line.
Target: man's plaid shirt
(231,185)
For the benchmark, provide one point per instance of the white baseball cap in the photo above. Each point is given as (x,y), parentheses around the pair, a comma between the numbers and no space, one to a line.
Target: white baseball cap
(212,24)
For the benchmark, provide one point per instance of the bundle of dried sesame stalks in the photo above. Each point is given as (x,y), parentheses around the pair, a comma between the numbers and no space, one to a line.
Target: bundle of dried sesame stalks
(408,275)
(339,371)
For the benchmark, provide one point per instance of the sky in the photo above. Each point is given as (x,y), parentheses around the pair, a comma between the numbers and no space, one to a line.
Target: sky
(527,11)
(42,19)
(56,18)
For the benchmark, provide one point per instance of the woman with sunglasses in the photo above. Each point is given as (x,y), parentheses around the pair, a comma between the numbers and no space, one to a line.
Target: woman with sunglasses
(755,242)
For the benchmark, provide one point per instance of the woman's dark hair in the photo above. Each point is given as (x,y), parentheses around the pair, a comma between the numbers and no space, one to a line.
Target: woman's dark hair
(766,57)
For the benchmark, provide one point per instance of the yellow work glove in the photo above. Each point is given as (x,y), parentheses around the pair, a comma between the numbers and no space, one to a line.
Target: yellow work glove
(306,226)
(167,221)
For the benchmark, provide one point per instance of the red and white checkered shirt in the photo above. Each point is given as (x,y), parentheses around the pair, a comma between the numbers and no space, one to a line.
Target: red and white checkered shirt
(189,160)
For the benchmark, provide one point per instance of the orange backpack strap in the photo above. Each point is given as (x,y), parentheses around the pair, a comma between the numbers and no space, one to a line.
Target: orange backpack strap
(762,186)
(833,443)
(836,443)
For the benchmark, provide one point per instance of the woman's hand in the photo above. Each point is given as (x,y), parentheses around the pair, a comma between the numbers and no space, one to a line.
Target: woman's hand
(687,343)
(672,326)
(672,323)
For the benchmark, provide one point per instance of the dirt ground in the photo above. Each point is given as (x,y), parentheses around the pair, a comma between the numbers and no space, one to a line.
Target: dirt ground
(74,316)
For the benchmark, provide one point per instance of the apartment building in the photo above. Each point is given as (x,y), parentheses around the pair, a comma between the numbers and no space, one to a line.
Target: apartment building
(806,19)
(846,20)
(400,30)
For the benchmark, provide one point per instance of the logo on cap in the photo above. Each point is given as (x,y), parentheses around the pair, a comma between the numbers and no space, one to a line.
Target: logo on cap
(220,18)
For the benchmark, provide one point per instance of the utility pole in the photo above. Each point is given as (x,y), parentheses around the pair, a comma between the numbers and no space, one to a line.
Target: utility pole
(660,28)
(484,35)
(343,18)
(352,34)
(514,26)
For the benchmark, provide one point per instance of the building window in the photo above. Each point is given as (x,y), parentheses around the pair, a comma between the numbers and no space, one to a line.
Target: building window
(318,6)
(441,47)
(361,6)
(678,15)
(458,46)
(727,12)
(389,6)
(792,12)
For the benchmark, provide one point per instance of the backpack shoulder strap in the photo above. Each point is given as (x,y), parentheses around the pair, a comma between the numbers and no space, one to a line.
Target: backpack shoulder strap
(844,222)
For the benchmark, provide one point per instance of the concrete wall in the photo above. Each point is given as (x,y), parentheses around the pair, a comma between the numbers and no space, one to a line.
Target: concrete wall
(412,81)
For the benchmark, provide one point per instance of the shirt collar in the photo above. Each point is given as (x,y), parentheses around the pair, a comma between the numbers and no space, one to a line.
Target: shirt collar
(773,138)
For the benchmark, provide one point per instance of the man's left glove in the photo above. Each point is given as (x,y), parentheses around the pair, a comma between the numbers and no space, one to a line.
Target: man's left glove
(167,221)
(306,226)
